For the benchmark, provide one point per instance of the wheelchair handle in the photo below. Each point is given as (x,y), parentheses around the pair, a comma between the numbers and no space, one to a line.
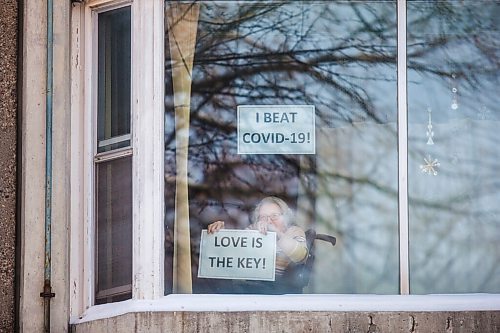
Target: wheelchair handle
(327,238)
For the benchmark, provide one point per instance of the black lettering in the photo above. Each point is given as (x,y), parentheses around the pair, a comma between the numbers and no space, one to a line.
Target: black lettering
(245,138)
(259,243)
(224,242)
(265,138)
(257,262)
(220,262)
(277,117)
(211,261)
(280,138)
(255,138)
(240,263)
(248,262)
(235,241)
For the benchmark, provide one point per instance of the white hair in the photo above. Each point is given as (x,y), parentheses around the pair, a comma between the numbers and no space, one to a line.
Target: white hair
(285,210)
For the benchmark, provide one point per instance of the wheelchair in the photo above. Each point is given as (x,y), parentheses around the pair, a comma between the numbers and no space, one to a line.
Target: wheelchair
(297,276)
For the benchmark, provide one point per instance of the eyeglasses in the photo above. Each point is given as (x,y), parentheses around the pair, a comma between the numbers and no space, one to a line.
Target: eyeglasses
(273,217)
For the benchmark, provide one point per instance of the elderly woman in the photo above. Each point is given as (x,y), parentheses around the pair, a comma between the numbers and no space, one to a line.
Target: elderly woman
(273,214)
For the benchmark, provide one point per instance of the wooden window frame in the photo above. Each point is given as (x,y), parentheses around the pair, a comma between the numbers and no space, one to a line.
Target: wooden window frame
(147,113)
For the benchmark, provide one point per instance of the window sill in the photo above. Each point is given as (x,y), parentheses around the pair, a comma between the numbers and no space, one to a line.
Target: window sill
(327,303)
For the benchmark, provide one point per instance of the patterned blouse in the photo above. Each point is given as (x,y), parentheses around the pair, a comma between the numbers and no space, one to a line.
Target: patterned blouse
(291,247)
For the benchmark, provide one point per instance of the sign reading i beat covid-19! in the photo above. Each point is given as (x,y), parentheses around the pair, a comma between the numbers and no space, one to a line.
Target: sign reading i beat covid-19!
(237,254)
(276,129)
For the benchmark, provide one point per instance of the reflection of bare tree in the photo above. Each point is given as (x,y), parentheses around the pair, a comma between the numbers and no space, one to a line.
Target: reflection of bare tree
(454,54)
(339,57)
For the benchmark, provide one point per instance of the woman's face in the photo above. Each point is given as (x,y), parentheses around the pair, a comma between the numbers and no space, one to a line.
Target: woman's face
(272,214)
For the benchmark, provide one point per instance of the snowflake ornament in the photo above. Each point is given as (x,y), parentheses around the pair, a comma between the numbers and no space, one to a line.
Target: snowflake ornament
(430,166)
(430,132)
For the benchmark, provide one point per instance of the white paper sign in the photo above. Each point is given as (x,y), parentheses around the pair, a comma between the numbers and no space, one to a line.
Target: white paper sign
(237,254)
(276,129)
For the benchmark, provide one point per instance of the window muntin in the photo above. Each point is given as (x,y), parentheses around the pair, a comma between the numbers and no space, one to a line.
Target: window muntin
(453,161)
(301,53)
(113,158)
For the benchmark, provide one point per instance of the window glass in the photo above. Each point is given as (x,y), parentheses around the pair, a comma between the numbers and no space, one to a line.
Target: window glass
(113,172)
(113,101)
(336,58)
(454,159)
(114,230)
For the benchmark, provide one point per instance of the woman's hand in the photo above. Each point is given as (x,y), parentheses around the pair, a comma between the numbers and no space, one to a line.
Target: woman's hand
(272,227)
(262,227)
(214,227)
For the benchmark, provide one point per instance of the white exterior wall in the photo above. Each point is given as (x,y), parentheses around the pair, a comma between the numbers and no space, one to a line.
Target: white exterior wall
(33,167)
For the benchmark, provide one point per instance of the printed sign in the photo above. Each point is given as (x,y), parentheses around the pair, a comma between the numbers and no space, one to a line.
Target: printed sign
(237,254)
(276,129)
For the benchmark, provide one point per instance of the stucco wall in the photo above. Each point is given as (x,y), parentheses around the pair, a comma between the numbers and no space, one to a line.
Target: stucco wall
(8,119)
(31,193)
(321,322)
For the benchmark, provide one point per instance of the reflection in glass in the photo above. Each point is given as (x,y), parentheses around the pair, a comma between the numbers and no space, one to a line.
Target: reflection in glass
(114,230)
(337,56)
(113,100)
(453,162)
(113,177)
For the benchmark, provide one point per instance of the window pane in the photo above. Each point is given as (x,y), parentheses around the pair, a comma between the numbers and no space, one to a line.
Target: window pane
(454,159)
(340,58)
(114,230)
(113,104)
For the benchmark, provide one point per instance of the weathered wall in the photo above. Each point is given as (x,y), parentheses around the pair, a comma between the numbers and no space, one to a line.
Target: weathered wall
(8,119)
(321,322)
(32,176)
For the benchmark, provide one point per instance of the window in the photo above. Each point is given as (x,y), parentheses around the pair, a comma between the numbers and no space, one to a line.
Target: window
(113,159)
(454,187)
(308,53)
(401,170)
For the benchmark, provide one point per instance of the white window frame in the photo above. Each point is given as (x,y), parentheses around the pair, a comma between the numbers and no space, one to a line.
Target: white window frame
(112,155)
(402,123)
(147,113)
(147,110)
